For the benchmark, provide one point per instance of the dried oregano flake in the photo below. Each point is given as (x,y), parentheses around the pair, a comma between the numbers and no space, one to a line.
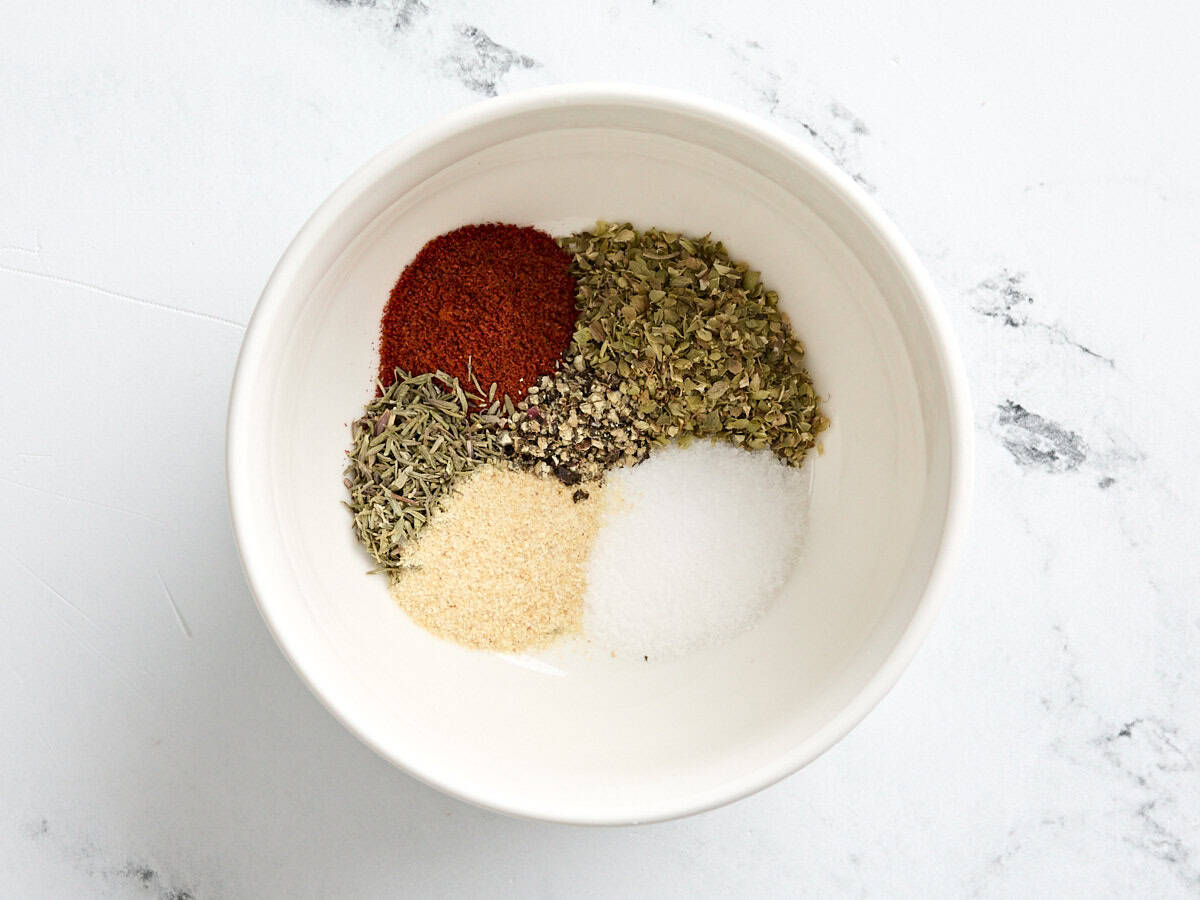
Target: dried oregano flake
(691,340)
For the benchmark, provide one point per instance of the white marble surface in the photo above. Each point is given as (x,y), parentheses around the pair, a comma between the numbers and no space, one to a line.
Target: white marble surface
(156,158)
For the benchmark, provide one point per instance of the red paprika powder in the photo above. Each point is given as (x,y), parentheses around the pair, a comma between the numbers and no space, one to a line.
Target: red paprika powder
(501,295)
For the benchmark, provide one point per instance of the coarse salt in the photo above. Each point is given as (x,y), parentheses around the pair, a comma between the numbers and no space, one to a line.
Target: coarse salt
(695,545)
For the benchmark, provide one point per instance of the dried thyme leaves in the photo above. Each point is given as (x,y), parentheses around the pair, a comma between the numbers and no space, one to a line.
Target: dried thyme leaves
(407,450)
(693,340)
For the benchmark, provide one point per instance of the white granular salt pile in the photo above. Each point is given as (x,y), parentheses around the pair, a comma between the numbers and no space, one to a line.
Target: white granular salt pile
(695,545)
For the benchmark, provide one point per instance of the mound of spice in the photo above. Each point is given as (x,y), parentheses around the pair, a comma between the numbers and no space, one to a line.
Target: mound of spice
(659,582)
(576,425)
(409,448)
(503,567)
(696,342)
(497,298)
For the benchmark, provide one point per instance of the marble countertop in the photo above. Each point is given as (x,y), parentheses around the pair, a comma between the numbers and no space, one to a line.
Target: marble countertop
(157,158)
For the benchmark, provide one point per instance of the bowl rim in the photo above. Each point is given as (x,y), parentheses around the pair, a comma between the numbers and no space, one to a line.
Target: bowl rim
(239,431)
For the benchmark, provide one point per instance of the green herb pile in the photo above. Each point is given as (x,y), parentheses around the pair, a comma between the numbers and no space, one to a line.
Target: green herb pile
(408,449)
(687,342)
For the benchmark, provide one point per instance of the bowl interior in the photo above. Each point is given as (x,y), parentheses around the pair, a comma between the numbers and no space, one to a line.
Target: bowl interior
(574,734)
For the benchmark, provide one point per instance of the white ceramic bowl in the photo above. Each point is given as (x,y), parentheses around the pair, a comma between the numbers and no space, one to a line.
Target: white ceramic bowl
(576,736)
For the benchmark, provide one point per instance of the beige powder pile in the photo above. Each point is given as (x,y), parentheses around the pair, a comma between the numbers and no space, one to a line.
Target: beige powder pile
(504,565)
